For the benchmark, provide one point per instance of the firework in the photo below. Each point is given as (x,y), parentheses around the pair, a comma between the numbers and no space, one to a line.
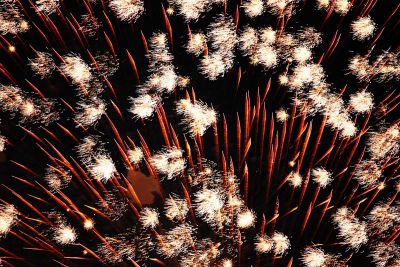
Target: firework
(169,162)
(149,218)
(8,215)
(127,10)
(198,117)
(363,28)
(199,133)
(253,8)
(64,234)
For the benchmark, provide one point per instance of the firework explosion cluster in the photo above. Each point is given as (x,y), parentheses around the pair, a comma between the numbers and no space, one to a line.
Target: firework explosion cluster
(302,172)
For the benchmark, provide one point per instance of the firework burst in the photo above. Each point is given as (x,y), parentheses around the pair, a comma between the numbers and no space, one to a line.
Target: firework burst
(199,133)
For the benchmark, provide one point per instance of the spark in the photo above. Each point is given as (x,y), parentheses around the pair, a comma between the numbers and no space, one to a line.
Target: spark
(143,106)
(149,218)
(88,224)
(351,230)
(77,70)
(313,257)
(192,9)
(103,168)
(196,44)
(253,8)
(64,234)
(246,219)
(175,208)
(368,173)
(264,244)
(385,142)
(127,10)
(295,179)
(321,176)
(91,112)
(43,65)
(281,115)
(363,28)
(361,102)
(281,243)
(8,217)
(47,6)
(169,162)
(135,155)
(3,142)
(197,117)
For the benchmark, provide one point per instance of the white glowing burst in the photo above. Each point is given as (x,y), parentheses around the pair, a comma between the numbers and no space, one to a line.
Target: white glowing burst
(143,106)
(196,44)
(65,234)
(278,6)
(215,65)
(301,54)
(103,168)
(165,80)
(368,173)
(383,217)
(385,254)
(361,102)
(313,257)
(267,35)
(359,66)
(263,244)
(283,79)
(75,68)
(135,155)
(197,117)
(175,208)
(127,10)
(351,230)
(342,6)
(253,8)
(222,36)
(227,263)
(362,28)
(321,176)
(246,219)
(339,6)
(176,241)
(149,218)
(281,115)
(57,178)
(209,204)
(28,109)
(295,179)
(308,74)
(337,115)
(192,9)
(89,146)
(3,141)
(159,54)
(47,6)
(8,217)
(204,255)
(169,162)
(323,4)
(91,112)
(11,19)
(384,143)
(88,224)
(281,243)
(248,40)
(265,55)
